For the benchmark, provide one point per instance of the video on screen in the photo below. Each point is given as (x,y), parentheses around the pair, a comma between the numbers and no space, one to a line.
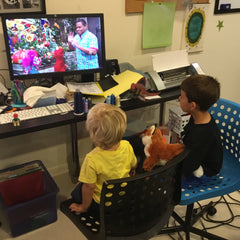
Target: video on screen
(54,44)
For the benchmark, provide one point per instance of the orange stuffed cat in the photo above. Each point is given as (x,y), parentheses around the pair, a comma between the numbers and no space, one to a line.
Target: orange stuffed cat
(157,150)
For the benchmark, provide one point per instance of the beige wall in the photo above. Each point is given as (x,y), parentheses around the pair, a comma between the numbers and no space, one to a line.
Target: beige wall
(220,58)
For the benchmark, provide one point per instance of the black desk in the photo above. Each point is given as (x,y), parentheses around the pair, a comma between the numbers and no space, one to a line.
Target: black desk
(33,125)
(166,95)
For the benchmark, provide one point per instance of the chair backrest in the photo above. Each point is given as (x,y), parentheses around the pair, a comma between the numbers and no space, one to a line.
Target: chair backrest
(227,116)
(134,205)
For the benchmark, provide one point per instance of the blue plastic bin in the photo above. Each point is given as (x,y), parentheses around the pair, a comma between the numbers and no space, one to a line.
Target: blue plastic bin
(34,213)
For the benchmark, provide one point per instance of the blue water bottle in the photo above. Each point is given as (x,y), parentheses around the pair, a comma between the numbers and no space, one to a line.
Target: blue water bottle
(78,103)
(113,102)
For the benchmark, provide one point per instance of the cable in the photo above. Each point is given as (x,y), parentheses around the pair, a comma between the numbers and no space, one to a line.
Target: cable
(219,223)
(233,198)
(4,80)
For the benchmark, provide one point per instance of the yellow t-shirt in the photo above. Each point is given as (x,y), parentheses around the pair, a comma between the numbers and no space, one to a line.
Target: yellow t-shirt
(100,165)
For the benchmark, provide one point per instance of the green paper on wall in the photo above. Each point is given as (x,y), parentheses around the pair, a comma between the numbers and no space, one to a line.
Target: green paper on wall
(158,19)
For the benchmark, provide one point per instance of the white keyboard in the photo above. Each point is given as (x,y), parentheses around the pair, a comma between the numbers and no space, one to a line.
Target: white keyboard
(36,112)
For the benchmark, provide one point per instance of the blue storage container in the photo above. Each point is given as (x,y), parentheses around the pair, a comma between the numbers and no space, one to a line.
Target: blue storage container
(33,213)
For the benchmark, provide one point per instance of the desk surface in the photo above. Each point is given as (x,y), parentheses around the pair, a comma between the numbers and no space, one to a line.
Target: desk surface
(37,124)
(165,95)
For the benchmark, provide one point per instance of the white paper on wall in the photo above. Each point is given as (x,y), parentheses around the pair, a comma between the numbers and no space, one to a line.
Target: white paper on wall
(194,27)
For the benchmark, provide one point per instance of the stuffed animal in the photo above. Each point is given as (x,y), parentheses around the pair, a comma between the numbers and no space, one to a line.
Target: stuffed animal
(59,65)
(157,150)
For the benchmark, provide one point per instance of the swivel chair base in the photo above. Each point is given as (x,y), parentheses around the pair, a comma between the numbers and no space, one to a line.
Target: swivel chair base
(187,225)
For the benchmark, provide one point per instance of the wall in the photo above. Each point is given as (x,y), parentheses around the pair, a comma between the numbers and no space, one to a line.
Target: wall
(220,58)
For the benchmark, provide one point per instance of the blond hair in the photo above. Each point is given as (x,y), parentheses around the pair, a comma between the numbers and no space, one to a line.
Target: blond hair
(106,125)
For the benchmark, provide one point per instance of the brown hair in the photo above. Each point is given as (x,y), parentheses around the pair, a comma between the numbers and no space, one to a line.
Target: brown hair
(204,90)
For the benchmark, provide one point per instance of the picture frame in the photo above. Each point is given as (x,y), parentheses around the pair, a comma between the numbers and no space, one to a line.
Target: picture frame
(22,6)
(226,6)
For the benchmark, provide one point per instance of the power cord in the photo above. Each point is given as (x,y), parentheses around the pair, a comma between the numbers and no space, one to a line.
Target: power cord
(4,80)
(222,200)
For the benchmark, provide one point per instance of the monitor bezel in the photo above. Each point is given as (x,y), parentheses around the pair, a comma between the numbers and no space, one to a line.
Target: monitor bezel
(53,74)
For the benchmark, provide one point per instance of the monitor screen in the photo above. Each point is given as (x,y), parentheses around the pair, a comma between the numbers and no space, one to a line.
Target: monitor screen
(54,45)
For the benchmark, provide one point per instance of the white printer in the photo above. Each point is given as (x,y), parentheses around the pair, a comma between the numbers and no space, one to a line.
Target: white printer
(170,69)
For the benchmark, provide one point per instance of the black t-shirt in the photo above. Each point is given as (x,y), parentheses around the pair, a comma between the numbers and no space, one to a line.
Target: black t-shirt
(205,145)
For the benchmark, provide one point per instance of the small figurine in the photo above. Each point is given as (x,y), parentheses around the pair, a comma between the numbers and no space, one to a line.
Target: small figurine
(16,120)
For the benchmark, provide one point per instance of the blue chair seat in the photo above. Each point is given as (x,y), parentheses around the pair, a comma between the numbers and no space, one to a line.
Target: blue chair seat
(227,181)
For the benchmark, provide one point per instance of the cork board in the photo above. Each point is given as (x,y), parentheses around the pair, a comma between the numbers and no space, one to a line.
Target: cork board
(137,6)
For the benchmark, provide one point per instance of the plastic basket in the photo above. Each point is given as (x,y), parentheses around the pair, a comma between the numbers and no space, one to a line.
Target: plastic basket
(34,213)
(177,119)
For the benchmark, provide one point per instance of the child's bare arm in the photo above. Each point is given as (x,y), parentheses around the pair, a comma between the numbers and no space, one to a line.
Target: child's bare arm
(87,195)
(132,171)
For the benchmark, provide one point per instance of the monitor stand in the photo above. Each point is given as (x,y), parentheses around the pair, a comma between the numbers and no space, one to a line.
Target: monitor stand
(87,77)
(58,79)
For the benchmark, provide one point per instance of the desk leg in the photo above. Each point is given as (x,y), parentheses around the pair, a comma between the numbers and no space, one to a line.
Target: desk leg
(161,113)
(74,166)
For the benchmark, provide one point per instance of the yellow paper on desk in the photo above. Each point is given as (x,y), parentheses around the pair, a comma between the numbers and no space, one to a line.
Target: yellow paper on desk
(124,80)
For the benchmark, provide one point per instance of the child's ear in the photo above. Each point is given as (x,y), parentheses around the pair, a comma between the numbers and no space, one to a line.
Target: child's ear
(194,105)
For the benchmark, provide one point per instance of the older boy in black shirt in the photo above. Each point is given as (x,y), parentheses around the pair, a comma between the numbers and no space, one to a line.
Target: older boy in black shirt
(201,135)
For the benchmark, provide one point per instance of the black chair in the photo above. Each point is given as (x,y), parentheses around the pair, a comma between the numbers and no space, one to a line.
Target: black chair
(227,116)
(134,207)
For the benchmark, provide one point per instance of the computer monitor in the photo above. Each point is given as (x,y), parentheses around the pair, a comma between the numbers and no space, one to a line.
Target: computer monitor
(43,46)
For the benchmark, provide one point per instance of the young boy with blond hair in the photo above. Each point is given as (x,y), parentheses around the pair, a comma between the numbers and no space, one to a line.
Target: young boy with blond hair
(112,157)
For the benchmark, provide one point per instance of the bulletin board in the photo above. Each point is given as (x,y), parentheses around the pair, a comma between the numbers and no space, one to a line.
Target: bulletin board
(137,6)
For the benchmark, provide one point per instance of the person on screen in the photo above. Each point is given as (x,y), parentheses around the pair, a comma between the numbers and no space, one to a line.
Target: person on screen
(86,45)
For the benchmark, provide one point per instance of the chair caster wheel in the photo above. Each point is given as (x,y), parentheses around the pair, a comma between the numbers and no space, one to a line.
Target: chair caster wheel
(212,211)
